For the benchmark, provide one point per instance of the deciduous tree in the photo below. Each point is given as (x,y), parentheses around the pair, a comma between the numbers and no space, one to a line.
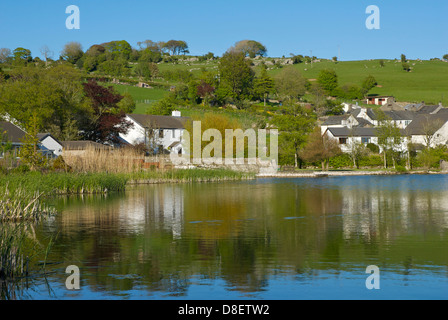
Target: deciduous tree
(72,52)
(320,148)
(294,126)
(290,84)
(328,80)
(106,120)
(236,76)
(250,48)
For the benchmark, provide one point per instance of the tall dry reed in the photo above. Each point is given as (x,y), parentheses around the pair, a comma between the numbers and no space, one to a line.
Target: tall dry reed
(120,160)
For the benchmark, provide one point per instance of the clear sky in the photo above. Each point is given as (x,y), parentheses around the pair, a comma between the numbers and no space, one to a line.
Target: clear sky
(326,28)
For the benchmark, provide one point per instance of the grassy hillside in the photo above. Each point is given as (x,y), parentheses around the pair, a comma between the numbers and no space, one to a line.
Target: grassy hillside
(428,80)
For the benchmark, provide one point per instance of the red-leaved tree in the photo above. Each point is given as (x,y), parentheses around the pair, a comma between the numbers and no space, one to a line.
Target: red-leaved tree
(107,120)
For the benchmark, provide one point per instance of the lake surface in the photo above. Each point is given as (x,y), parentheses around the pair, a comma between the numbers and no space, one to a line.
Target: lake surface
(282,239)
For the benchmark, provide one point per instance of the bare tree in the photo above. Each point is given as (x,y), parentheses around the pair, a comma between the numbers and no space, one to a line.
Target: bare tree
(357,150)
(152,134)
(430,127)
(5,53)
(46,53)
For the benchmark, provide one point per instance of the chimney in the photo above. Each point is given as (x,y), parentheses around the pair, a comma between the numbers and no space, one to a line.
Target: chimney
(175,113)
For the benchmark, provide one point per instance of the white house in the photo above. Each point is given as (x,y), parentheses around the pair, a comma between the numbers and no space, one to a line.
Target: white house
(429,129)
(346,120)
(167,133)
(50,143)
(347,137)
(11,133)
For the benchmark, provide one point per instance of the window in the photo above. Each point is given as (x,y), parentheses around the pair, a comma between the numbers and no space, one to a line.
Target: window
(342,140)
(365,140)
(161,134)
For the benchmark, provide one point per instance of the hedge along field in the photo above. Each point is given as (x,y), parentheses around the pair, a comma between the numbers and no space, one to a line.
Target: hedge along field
(427,81)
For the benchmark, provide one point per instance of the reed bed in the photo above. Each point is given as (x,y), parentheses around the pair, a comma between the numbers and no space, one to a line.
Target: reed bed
(23,206)
(187,175)
(13,262)
(59,183)
(17,248)
(94,160)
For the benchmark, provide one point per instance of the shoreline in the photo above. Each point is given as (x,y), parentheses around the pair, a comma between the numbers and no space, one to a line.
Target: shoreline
(323,174)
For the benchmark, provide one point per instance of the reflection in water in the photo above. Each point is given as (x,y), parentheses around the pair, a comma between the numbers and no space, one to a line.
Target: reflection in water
(272,238)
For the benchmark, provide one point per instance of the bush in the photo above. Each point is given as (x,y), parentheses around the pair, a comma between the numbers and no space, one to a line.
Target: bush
(401,169)
(373,147)
(21,169)
(371,161)
(341,161)
(60,165)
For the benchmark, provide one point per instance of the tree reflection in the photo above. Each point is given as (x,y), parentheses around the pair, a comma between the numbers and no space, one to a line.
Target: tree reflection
(163,237)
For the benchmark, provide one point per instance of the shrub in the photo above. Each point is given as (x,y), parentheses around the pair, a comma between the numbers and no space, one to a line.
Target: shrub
(60,165)
(341,161)
(371,161)
(401,169)
(373,147)
(21,169)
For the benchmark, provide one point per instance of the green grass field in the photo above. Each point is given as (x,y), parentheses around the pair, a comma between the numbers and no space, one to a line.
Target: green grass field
(428,80)
(142,94)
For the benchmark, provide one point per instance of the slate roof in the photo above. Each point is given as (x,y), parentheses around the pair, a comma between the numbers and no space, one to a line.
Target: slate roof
(427,123)
(428,109)
(393,114)
(13,133)
(355,132)
(42,135)
(355,112)
(363,122)
(162,122)
(333,120)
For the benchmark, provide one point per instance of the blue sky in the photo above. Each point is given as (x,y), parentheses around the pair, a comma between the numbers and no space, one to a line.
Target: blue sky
(417,28)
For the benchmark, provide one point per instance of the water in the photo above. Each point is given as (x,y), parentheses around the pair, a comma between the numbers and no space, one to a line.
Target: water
(263,239)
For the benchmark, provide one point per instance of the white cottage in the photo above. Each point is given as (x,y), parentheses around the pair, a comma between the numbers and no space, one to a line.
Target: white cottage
(50,143)
(429,129)
(168,131)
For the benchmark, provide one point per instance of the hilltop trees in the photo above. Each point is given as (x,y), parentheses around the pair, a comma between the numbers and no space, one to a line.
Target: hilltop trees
(72,52)
(5,55)
(249,48)
(21,56)
(117,50)
(176,47)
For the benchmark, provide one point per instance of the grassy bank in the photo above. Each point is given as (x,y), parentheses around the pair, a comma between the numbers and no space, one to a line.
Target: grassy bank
(76,183)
